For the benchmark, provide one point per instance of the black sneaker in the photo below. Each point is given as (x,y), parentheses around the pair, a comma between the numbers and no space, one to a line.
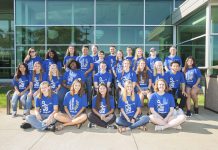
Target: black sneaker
(188,113)
(196,110)
(50,128)
(25,125)
(90,125)
(112,126)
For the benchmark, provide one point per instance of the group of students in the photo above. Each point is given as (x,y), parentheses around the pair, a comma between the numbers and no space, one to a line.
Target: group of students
(104,84)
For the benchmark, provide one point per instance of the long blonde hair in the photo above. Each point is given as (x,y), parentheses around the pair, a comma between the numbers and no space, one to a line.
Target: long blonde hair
(124,92)
(40,89)
(136,53)
(155,68)
(50,72)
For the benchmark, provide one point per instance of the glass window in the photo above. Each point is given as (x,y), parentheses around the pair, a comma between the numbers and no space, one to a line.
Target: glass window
(159,35)
(214,50)
(119,11)
(70,12)
(6,40)
(7,73)
(178,3)
(67,35)
(214,19)
(162,50)
(192,27)
(30,35)
(131,35)
(30,12)
(106,35)
(158,11)
(195,48)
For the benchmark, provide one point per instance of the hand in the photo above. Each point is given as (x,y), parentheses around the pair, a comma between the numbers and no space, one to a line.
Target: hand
(195,86)
(184,93)
(30,94)
(86,74)
(103,117)
(21,93)
(132,120)
(38,117)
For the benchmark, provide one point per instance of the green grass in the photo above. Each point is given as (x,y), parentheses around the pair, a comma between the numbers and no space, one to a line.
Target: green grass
(3,92)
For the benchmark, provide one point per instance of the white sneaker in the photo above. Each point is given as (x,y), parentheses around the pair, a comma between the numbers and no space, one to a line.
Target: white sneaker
(14,114)
(158,128)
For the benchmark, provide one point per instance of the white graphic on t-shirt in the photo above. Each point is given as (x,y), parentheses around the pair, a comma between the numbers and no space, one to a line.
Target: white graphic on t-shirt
(172,82)
(21,84)
(36,82)
(102,108)
(84,64)
(30,65)
(44,107)
(73,105)
(128,108)
(190,75)
(160,107)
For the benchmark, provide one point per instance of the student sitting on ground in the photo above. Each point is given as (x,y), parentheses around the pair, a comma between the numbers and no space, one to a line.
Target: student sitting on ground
(161,105)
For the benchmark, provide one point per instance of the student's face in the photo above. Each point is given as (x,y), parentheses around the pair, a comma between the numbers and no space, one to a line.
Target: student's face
(22,68)
(129,88)
(126,65)
(112,50)
(77,87)
(103,67)
(51,54)
(100,55)
(129,51)
(161,86)
(94,50)
(153,53)
(159,65)
(102,90)
(37,67)
(175,67)
(44,88)
(53,68)
(32,52)
(119,55)
(190,62)
(85,51)
(172,51)
(139,52)
(142,64)
(73,65)
(71,50)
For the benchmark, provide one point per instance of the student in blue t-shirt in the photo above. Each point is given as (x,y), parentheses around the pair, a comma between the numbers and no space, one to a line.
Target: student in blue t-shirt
(193,78)
(152,59)
(36,78)
(130,107)
(161,105)
(129,56)
(172,57)
(51,57)
(21,89)
(118,66)
(102,77)
(75,103)
(70,54)
(111,58)
(54,78)
(94,53)
(159,73)
(102,109)
(46,106)
(177,81)
(87,66)
(101,58)
(144,81)
(31,58)
(139,54)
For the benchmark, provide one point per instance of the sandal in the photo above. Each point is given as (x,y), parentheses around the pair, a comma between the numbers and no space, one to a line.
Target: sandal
(79,125)
(121,129)
(143,128)
(59,127)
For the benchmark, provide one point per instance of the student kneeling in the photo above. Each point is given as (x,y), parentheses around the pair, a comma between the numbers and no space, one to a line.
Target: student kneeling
(102,109)
(75,103)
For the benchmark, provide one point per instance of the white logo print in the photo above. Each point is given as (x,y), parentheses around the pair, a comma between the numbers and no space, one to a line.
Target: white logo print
(128,108)
(102,109)
(172,82)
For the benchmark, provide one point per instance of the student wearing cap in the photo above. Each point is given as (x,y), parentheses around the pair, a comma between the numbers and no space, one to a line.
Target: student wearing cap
(152,59)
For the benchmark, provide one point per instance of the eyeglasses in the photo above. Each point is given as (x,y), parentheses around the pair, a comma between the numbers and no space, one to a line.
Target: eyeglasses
(32,51)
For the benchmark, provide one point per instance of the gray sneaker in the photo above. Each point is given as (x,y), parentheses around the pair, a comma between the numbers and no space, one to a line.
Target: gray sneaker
(14,114)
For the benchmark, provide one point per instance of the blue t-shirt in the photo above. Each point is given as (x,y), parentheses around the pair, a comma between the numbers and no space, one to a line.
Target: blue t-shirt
(46,104)
(144,83)
(22,83)
(170,59)
(161,103)
(122,77)
(71,75)
(75,103)
(192,75)
(48,62)
(160,76)
(131,59)
(103,77)
(103,106)
(95,58)
(111,59)
(68,58)
(31,62)
(118,67)
(130,107)
(54,82)
(175,79)
(150,62)
(85,62)
(36,81)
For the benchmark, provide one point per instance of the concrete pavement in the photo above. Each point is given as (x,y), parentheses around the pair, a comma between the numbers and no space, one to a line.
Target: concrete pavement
(200,132)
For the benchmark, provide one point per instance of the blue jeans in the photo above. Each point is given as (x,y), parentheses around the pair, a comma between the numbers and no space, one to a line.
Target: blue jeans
(140,121)
(38,124)
(88,83)
(25,102)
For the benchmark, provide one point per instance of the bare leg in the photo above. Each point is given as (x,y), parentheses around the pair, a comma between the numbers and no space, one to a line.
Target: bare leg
(194,95)
(174,122)
(78,120)
(157,120)
(188,101)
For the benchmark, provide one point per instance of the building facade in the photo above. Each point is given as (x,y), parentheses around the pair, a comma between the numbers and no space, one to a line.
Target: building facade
(191,25)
